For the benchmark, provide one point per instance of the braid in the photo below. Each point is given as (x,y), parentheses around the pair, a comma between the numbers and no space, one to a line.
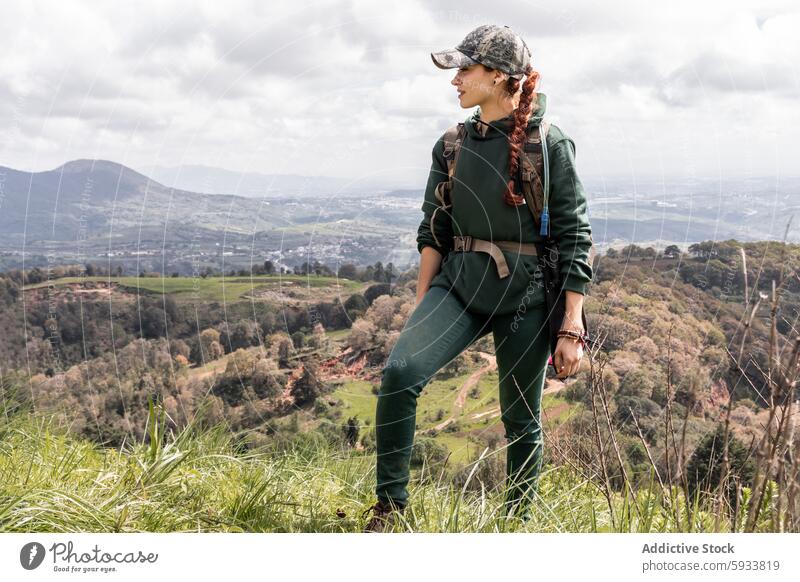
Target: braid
(517,138)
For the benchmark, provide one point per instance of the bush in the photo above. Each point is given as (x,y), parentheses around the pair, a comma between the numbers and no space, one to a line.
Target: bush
(332,432)
(426,450)
(455,367)
(454,426)
(321,407)
(368,441)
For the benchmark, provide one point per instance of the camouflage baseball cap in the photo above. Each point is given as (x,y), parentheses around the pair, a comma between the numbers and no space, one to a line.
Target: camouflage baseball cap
(497,47)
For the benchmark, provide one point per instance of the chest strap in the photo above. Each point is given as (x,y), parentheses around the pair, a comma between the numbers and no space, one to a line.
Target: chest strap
(495,250)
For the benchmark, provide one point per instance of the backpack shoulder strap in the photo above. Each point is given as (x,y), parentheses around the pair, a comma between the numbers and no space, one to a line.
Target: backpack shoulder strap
(453,138)
(536,180)
(535,171)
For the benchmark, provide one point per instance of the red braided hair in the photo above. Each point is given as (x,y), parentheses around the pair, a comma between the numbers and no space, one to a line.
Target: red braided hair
(518,135)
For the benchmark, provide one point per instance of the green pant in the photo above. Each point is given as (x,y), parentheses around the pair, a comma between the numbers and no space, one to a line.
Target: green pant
(436,332)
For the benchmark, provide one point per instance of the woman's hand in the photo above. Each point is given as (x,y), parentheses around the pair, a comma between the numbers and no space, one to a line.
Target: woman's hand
(567,359)
(430,263)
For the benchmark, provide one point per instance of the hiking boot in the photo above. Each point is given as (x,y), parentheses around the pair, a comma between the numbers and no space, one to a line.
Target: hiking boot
(384,516)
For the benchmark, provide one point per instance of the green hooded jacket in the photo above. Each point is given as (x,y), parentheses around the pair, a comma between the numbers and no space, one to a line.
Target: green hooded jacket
(479,210)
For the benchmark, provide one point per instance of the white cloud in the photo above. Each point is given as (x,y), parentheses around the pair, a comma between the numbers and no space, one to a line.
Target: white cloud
(276,85)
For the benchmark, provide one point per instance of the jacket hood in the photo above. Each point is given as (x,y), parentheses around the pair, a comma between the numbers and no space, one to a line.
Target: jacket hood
(503,127)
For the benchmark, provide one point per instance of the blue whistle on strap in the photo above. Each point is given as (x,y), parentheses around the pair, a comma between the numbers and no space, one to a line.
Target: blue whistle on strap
(544,230)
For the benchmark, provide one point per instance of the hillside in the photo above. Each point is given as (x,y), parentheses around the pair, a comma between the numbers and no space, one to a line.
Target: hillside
(668,371)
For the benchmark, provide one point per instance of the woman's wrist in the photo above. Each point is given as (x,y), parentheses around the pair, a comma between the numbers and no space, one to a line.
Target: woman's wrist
(572,322)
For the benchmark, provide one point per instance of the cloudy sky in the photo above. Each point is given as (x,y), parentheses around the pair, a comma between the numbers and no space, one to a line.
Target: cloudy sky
(347,88)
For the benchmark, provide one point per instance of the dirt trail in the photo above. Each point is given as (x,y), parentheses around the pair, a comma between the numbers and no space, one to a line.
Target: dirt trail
(211,369)
(461,397)
(551,387)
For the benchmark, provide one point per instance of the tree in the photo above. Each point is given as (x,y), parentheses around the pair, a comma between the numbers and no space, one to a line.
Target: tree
(299,339)
(209,342)
(375,291)
(703,250)
(267,381)
(351,431)
(355,305)
(35,275)
(307,388)
(348,271)
(378,273)
(178,347)
(284,352)
(153,321)
(244,334)
(9,291)
(641,408)
(362,335)
(390,273)
(638,382)
(705,466)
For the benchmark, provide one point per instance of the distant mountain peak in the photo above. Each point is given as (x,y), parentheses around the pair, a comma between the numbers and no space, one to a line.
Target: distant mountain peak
(88,165)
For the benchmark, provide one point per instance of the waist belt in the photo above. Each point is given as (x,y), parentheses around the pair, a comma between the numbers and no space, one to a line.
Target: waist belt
(495,250)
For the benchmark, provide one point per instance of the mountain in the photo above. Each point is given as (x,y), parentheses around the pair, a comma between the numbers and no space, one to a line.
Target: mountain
(86,199)
(88,180)
(95,210)
(88,210)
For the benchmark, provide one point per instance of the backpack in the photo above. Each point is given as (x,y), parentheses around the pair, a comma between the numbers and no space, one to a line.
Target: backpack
(535,174)
(533,170)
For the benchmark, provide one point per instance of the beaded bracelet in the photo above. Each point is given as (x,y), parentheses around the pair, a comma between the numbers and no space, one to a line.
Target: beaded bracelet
(575,335)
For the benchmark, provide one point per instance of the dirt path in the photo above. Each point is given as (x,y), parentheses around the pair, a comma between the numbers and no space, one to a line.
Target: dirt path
(552,387)
(211,369)
(461,397)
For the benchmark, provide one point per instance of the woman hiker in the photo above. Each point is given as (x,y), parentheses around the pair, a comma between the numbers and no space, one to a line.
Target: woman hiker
(479,271)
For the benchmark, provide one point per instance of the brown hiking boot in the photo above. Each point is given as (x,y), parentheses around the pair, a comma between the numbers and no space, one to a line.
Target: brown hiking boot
(383,518)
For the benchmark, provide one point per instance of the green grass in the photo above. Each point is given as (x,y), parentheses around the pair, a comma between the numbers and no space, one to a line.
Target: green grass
(359,401)
(202,479)
(220,289)
(461,448)
(338,335)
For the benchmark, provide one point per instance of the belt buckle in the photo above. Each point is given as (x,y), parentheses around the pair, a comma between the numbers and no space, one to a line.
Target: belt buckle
(463,243)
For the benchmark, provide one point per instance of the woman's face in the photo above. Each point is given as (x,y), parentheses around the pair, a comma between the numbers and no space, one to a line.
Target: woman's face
(475,84)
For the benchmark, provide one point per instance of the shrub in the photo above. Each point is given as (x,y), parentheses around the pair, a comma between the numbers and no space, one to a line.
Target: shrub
(427,450)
